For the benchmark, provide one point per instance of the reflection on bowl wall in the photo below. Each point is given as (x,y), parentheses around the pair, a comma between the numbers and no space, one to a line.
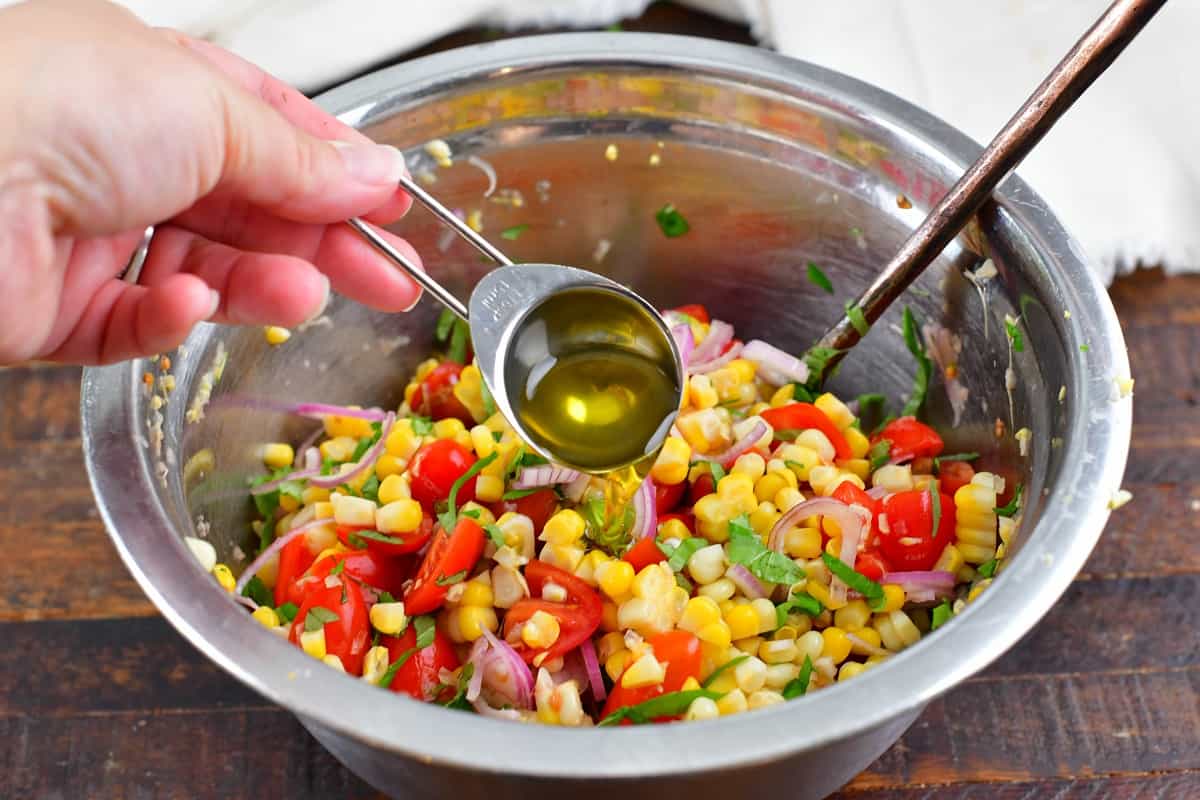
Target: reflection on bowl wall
(773,163)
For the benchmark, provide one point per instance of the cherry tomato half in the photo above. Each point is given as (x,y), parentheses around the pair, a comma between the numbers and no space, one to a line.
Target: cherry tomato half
(346,637)
(910,542)
(910,439)
(870,563)
(294,561)
(539,507)
(703,485)
(402,543)
(435,394)
(954,475)
(418,677)
(578,617)
(643,554)
(434,469)
(695,311)
(449,555)
(802,416)
(667,497)
(386,573)
(680,651)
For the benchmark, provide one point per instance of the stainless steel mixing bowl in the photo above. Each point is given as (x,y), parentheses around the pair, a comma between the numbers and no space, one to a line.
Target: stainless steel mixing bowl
(774,163)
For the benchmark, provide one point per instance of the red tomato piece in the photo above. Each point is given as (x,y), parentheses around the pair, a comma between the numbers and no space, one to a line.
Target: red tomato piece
(386,573)
(435,394)
(578,617)
(910,439)
(643,554)
(871,564)
(539,507)
(434,469)
(449,555)
(347,637)
(910,542)
(695,311)
(406,542)
(954,475)
(686,517)
(680,651)
(703,485)
(802,416)
(294,561)
(851,495)
(729,346)
(418,676)
(667,497)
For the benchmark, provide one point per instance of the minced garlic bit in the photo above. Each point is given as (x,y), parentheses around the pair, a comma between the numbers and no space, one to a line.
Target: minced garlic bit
(475,220)
(1124,387)
(655,159)
(276,335)
(1119,498)
(1066,313)
(1062,393)
(208,380)
(509,197)
(602,248)
(1023,436)
(611,152)
(439,151)
(542,188)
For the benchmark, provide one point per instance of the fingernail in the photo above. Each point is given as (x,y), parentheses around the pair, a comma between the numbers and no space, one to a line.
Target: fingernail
(372,163)
(324,302)
(416,300)
(214,303)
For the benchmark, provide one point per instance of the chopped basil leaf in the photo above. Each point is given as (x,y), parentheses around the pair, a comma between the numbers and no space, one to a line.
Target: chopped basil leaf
(816,359)
(386,597)
(449,517)
(988,568)
(683,583)
(517,494)
(677,557)
(941,615)
(787,434)
(721,670)
(376,536)
(287,612)
(871,409)
(489,403)
(257,591)
(855,580)
(472,513)
(360,450)
(671,704)
(317,618)
(459,336)
(912,340)
(1083,348)
(355,541)
(513,233)
(450,580)
(799,686)
(497,436)
(935,498)
(445,322)
(717,471)
(857,318)
(594,512)
(798,602)
(422,426)
(338,567)
(425,628)
(370,488)
(1012,506)
(328,465)
(819,279)
(801,394)
(459,701)
(671,222)
(495,534)
(1014,336)
(793,464)
(747,549)
(880,453)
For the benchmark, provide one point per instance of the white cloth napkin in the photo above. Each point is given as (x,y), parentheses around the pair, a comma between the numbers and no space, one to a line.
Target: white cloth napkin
(1122,168)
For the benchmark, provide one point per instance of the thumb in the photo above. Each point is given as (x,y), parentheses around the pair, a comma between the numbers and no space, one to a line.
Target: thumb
(270,163)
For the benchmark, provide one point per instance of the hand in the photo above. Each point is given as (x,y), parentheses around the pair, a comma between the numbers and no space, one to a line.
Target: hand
(111,126)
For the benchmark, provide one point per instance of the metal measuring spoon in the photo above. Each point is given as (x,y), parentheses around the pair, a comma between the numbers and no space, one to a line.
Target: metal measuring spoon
(508,351)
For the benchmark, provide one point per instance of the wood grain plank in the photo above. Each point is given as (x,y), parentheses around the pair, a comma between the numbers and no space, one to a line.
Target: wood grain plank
(1156,534)
(1161,786)
(39,403)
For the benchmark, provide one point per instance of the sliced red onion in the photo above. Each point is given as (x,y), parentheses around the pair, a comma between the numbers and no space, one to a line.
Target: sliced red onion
(645,512)
(488,170)
(712,365)
(575,489)
(302,448)
(851,520)
(744,580)
(863,644)
(504,673)
(543,475)
(479,659)
(483,709)
(742,445)
(849,553)
(685,341)
(719,334)
(774,365)
(917,581)
(241,599)
(298,475)
(922,596)
(364,463)
(592,664)
(877,492)
(312,459)
(319,410)
(252,569)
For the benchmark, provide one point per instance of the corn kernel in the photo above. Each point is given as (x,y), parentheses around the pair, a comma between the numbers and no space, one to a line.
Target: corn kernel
(615,578)
(802,542)
(352,428)
(375,664)
(860,468)
(951,560)
(339,448)
(400,516)
(617,663)
(743,622)
(837,646)
(818,442)
(896,630)
(716,634)
(809,646)
(482,441)
(733,702)
(702,708)
(893,597)
(764,517)
(719,590)
(646,671)
(313,494)
(854,615)
(564,556)
(763,698)
(769,485)
(822,595)
(699,612)
(323,510)
(402,442)
(389,618)
(705,431)
(673,529)
(712,517)
(841,416)
(489,488)
(313,643)
(778,651)
(540,631)
(335,662)
(224,577)
(750,464)
(474,619)
(671,466)
(893,478)
(477,592)
(765,610)
(353,511)
(609,617)
(750,674)
(869,636)
(788,497)
(565,527)
(780,675)
(859,444)
(276,335)
(849,670)
(822,479)
(278,455)
(266,616)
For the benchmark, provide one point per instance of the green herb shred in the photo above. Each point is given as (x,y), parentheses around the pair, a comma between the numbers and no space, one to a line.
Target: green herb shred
(671,222)
(495,534)
(988,568)
(935,498)
(1014,336)
(671,704)
(1010,508)
(449,517)
(513,233)
(800,601)
(450,580)
(257,591)
(747,549)
(912,340)
(855,580)
(721,670)
(818,278)
(317,618)
(941,615)
(677,557)
(798,687)
(857,318)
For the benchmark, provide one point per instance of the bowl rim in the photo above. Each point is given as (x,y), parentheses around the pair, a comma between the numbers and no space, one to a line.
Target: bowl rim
(1070,522)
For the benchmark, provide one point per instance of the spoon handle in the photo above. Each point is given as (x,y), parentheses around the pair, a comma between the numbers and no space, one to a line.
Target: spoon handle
(447,216)
(440,293)
(1090,56)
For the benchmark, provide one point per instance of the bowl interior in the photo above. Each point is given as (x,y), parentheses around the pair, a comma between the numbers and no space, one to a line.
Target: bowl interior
(774,165)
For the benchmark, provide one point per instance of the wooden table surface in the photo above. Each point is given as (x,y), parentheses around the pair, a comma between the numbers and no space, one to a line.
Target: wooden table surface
(100,698)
